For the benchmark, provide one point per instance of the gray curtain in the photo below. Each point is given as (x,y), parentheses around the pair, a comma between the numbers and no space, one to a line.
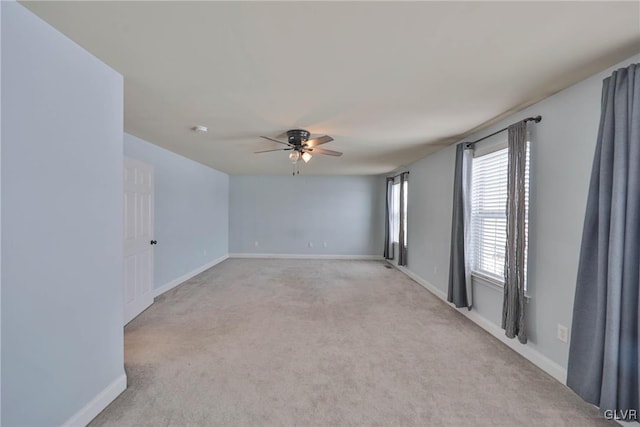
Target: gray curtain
(513,304)
(388,247)
(604,354)
(459,281)
(402,247)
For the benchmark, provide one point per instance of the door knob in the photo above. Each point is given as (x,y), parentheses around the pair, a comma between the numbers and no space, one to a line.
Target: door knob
(154,242)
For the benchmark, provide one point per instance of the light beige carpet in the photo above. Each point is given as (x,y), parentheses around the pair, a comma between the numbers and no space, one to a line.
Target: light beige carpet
(325,343)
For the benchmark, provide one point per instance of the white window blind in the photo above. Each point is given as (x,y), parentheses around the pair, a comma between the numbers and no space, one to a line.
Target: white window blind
(488,213)
(395,212)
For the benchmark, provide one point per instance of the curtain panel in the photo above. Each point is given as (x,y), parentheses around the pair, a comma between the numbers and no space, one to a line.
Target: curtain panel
(604,356)
(513,304)
(459,292)
(388,245)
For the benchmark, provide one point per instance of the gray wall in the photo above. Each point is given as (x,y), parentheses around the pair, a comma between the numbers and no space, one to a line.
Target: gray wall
(284,213)
(191,210)
(62,340)
(562,151)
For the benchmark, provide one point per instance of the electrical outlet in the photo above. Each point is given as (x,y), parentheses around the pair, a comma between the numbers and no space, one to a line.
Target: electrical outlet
(563,333)
(204,252)
(324,244)
(435,269)
(256,244)
(310,244)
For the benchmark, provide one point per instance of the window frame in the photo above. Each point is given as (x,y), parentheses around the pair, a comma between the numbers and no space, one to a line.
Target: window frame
(395,211)
(482,150)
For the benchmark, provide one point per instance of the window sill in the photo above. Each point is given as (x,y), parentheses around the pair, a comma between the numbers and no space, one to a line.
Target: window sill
(492,283)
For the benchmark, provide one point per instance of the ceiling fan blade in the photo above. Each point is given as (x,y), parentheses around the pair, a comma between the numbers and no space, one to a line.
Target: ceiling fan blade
(324,151)
(314,142)
(275,140)
(277,149)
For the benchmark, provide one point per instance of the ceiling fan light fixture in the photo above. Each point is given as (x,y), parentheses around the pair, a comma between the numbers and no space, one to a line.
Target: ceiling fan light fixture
(200,129)
(300,147)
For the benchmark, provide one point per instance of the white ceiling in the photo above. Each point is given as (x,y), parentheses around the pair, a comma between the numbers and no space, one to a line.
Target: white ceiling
(390,82)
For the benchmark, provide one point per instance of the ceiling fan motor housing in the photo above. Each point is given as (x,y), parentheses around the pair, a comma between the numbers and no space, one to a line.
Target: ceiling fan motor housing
(298,136)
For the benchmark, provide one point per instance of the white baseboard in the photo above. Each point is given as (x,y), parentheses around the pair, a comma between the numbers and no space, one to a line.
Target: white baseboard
(437,292)
(534,356)
(306,256)
(175,282)
(98,403)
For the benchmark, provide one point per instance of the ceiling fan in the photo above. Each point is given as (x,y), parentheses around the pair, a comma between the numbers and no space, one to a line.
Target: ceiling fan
(302,147)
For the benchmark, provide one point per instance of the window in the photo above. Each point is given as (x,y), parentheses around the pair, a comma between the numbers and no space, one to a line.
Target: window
(488,213)
(395,212)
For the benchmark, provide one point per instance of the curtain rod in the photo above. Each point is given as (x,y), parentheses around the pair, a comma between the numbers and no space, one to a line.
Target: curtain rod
(536,119)
(395,176)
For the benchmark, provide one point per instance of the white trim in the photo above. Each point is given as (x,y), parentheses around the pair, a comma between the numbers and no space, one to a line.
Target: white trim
(496,283)
(428,286)
(534,356)
(491,145)
(175,282)
(481,280)
(307,256)
(98,403)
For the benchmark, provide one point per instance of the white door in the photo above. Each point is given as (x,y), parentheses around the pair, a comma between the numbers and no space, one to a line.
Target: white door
(138,237)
